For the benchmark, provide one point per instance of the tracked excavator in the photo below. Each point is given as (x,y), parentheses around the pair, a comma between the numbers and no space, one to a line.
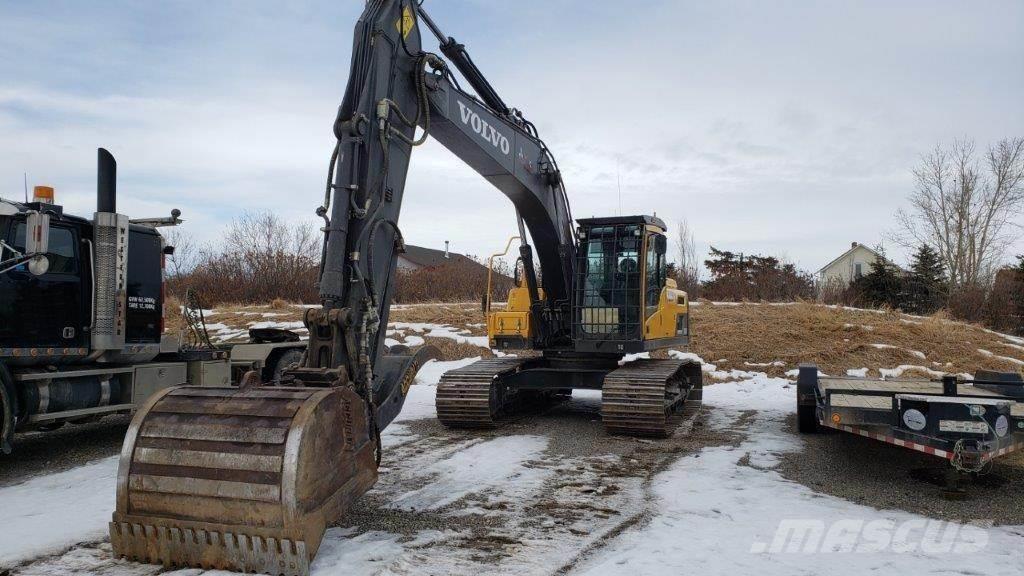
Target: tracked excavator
(248,478)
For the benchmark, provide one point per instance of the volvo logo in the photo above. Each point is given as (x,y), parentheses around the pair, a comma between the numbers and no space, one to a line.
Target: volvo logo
(480,126)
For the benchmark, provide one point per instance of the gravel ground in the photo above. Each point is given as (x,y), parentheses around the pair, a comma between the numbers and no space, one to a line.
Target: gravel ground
(69,446)
(575,434)
(883,476)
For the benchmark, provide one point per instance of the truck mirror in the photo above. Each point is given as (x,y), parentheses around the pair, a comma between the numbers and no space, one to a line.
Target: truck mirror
(37,242)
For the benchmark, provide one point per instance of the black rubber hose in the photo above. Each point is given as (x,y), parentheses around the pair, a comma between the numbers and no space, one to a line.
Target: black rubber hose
(369,252)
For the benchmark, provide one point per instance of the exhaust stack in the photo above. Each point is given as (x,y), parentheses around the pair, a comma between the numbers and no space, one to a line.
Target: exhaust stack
(106,182)
(110,260)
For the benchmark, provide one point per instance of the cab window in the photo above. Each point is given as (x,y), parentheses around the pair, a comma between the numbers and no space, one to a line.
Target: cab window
(62,254)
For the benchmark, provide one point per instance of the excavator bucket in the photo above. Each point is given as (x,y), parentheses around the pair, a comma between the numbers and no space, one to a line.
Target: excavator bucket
(240,479)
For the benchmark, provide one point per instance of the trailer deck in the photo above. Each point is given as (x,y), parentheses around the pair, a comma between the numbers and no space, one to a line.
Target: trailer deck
(968,422)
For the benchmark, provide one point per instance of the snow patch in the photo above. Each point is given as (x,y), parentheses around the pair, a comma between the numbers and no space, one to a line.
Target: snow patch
(47,514)
(727,501)
(442,331)
(991,354)
(704,366)
(482,466)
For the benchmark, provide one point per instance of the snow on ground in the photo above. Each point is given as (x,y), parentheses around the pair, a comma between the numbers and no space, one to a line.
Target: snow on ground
(719,512)
(476,466)
(297,325)
(713,511)
(1006,358)
(460,335)
(50,513)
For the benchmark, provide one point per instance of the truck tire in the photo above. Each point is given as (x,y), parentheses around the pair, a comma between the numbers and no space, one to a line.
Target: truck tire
(281,362)
(8,409)
(807,419)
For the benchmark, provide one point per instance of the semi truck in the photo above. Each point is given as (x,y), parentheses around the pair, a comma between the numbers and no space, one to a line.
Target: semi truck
(82,315)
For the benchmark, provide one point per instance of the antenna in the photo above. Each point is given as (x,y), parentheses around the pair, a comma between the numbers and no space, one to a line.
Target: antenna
(25,174)
(618,183)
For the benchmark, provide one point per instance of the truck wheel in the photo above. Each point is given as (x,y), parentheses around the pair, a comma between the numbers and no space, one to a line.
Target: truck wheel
(283,361)
(8,409)
(807,419)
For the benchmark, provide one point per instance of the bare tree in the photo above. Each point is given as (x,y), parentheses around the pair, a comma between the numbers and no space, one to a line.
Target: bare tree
(186,252)
(688,269)
(965,208)
(261,258)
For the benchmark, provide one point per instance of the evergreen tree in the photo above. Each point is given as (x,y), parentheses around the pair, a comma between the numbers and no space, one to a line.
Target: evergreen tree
(1018,295)
(882,285)
(925,291)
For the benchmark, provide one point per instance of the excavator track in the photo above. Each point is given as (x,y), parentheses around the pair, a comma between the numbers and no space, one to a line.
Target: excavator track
(647,397)
(469,397)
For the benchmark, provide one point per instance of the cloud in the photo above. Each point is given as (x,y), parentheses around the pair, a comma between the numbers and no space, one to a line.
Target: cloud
(770,127)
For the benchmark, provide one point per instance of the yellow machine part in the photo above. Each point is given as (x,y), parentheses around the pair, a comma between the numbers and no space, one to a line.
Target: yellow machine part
(242,480)
(664,323)
(514,320)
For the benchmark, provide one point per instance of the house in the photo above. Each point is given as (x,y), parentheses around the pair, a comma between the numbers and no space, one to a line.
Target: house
(849,266)
(418,257)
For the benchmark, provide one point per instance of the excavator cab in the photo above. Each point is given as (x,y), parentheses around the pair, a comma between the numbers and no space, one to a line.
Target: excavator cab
(624,300)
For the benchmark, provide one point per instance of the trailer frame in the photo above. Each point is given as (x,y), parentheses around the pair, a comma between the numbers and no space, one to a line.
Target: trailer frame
(945,416)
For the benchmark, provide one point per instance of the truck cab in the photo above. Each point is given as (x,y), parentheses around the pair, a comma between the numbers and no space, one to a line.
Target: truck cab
(81,313)
(49,310)
(51,315)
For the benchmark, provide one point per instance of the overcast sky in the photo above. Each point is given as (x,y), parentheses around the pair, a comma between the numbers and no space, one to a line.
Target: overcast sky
(788,128)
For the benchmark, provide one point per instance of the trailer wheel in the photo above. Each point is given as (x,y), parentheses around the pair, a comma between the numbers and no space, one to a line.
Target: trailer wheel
(282,362)
(807,419)
(806,403)
(8,409)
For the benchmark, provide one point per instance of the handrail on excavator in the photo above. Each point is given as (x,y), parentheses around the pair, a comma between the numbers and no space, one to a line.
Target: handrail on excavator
(490,270)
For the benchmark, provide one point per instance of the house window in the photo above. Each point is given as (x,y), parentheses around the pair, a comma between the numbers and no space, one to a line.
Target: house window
(858,270)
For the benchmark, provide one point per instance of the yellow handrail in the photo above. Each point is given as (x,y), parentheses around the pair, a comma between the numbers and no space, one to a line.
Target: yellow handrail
(490,268)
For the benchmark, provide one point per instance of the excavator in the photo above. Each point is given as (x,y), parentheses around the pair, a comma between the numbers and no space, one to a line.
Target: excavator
(248,478)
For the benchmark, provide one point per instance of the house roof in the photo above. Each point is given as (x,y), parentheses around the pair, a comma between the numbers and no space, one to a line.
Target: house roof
(428,257)
(855,246)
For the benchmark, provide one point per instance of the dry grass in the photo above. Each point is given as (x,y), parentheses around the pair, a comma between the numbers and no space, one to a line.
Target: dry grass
(279,304)
(738,336)
(452,350)
(840,339)
(458,314)
(174,322)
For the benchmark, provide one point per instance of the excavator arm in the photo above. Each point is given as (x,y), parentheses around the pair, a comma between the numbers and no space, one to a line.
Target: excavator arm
(248,478)
(394,86)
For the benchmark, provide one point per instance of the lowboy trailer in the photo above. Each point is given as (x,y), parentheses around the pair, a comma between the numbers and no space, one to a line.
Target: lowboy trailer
(967,421)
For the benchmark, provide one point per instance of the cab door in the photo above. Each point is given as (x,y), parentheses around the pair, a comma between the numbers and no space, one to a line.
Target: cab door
(654,272)
(48,310)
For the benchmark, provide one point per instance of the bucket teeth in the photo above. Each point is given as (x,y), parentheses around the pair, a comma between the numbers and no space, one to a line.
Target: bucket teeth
(174,547)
